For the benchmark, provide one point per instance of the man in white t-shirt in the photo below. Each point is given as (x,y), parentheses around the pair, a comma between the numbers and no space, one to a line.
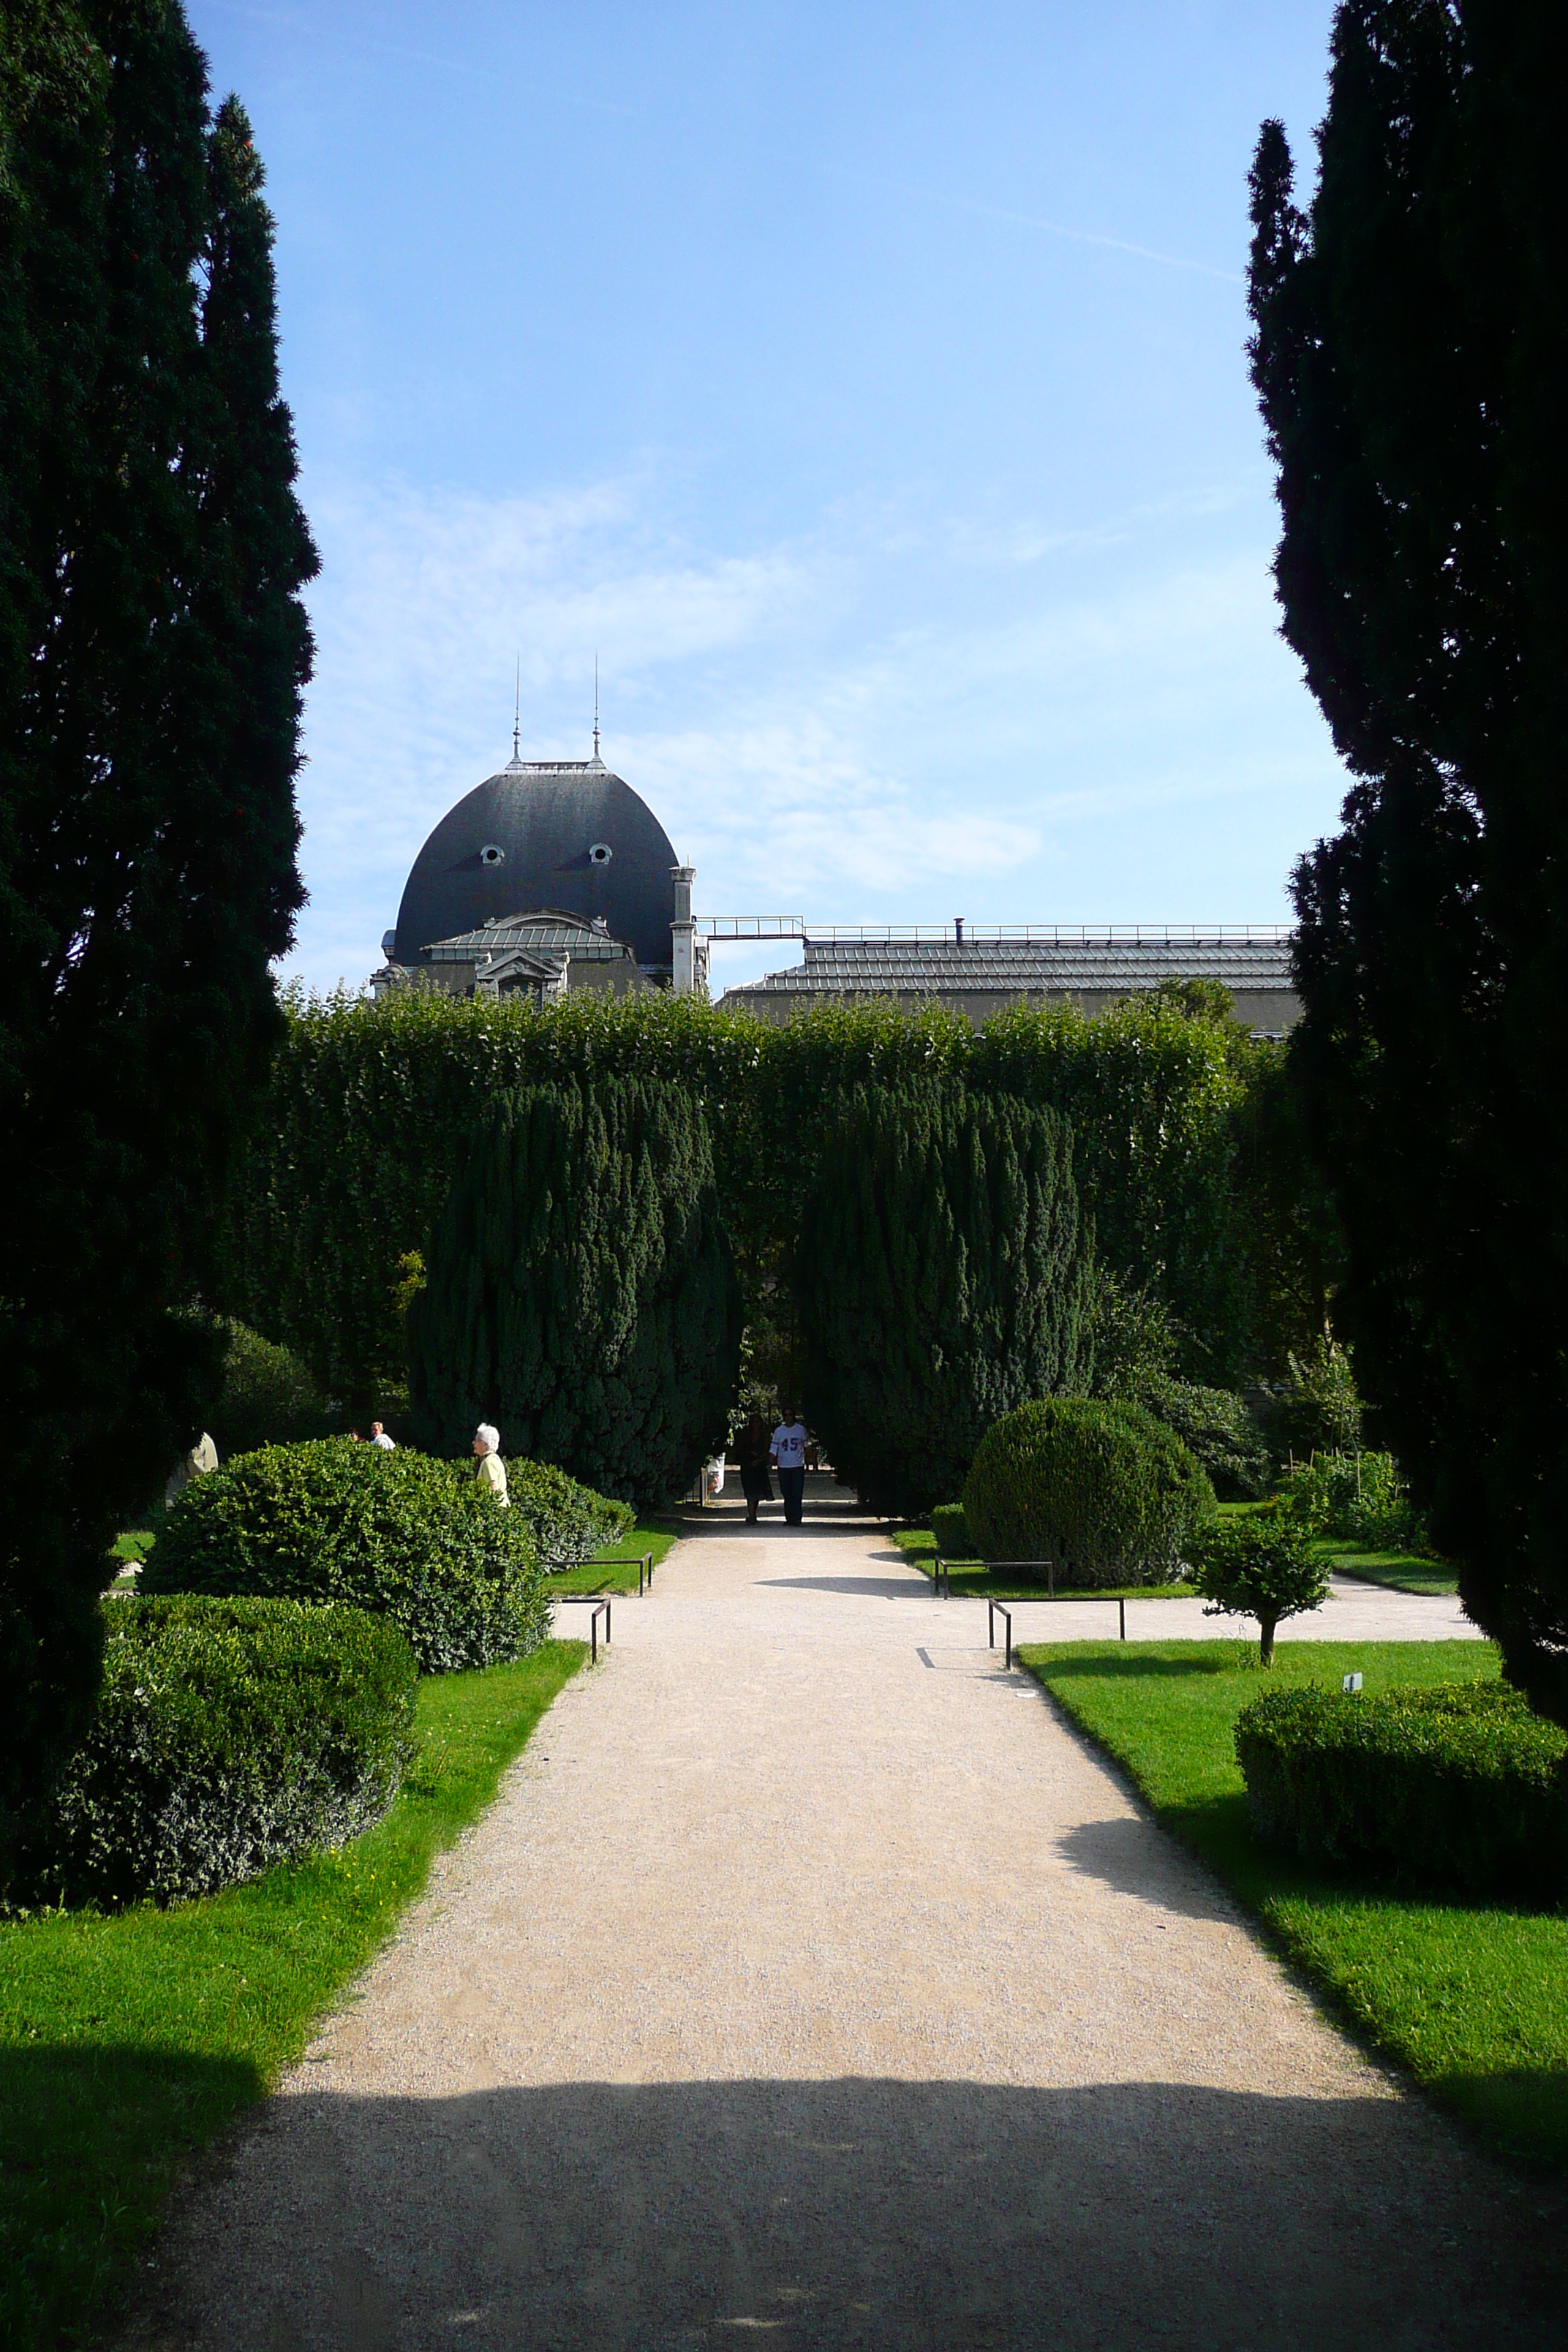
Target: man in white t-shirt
(378,1436)
(490,1470)
(788,1452)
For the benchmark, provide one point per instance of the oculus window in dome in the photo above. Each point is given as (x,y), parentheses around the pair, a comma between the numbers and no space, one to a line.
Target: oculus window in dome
(565,833)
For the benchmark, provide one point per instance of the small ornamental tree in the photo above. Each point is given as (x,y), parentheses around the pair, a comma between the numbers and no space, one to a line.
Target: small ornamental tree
(581,1293)
(944,1274)
(1264,1566)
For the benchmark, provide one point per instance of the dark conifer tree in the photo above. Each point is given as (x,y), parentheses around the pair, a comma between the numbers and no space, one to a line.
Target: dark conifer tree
(1410,349)
(944,1276)
(581,1292)
(152,653)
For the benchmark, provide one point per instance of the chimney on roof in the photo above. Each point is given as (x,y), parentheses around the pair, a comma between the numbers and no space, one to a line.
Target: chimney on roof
(958,929)
(683,933)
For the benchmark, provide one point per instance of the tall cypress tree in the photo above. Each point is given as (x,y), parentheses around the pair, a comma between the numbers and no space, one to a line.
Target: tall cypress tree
(581,1292)
(153,653)
(1411,344)
(944,1275)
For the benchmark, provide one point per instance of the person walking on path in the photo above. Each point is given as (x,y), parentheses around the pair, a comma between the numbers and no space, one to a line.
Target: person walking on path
(788,1452)
(378,1436)
(491,1470)
(751,1453)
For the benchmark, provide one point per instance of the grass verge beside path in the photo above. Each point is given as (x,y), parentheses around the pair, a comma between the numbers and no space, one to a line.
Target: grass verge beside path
(971,1580)
(653,1535)
(1398,1571)
(127,2042)
(1471,1998)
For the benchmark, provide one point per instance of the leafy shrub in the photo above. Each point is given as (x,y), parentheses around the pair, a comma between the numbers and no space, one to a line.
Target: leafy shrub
(1318,1410)
(1216,1425)
(228,1735)
(582,1291)
(950,1529)
(1263,1566)
(1105,1490)
(1457,1788)
(397,1533)
(1359,1498)
(267,1397)
(1133,1338)
(567,1523)
(943,1275)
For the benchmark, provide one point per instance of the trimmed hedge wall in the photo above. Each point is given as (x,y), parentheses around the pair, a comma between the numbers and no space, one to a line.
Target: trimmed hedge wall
(373,1108)
(1457,1789)
(582,1291)
(228,1736)
(1105,1490)
(944,1274)
(568,1523)
(397,1533)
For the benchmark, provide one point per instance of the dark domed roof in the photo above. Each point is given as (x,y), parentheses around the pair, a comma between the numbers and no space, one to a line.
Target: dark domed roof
(544,832)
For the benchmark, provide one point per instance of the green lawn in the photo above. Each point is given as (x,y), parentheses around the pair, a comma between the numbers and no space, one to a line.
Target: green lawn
(126,2042)
(972,1580)
(1400,1572)
(1472,2000)
(656,1536)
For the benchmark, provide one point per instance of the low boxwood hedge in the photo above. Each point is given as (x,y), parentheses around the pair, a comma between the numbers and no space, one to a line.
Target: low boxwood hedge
(1105,1490)
(1456,1789)
(949,1530)
(569,1523)
(228,1735)
(397,1533)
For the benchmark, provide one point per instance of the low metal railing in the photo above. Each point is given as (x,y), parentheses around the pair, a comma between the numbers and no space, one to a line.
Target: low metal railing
(598,1603)
(995,1609)
(642,1562)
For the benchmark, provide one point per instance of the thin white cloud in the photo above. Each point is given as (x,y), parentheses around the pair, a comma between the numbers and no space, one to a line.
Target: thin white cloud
(980,210)
(844,727)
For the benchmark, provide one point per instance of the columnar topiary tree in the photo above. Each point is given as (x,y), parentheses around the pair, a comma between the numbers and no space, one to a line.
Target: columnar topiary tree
(153,652)
(944,1274)
(581,1292)
(1411,348)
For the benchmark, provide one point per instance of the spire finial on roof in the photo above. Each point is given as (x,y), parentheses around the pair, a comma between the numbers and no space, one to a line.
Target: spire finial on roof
(517,713)
(595,706)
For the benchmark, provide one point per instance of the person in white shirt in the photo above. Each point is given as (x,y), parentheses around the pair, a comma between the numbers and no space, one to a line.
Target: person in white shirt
(491,1469)
(378,1436)
(788,1452)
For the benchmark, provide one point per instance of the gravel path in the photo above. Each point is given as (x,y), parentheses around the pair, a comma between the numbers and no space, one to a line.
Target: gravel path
(810,1981)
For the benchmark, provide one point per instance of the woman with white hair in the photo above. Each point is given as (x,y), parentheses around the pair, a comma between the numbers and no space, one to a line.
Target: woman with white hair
(491,1470)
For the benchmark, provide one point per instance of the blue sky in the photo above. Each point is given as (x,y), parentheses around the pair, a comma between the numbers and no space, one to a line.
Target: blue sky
(863,384)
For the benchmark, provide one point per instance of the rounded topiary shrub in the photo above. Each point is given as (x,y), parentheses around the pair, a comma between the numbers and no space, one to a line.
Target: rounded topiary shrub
(397,1533)
(1105,1490)
(228,1736)
(569,1523)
